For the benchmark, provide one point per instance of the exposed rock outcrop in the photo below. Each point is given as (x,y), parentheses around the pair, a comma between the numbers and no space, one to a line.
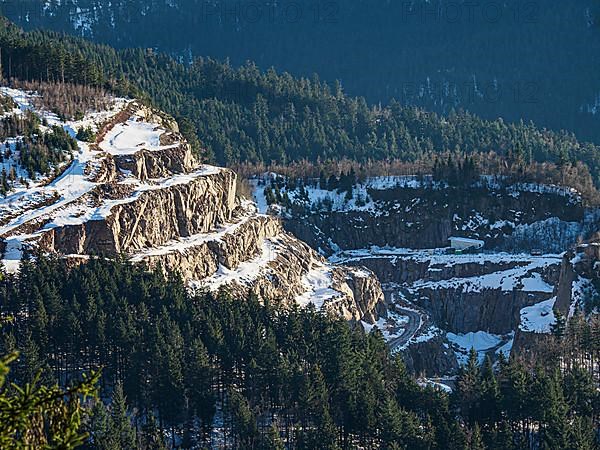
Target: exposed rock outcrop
(492,310)
(151,217)
(430,358)
(426,218)
(409,269)
(146,164)
(579,272)
(140,192)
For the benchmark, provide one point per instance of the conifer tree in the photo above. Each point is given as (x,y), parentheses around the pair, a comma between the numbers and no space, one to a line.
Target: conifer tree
(559,326)
(582,435)
(555,409)
(121,432)
(272,439)
(468,387)
(475,440)
(151,437)
(243,421)
(99,428)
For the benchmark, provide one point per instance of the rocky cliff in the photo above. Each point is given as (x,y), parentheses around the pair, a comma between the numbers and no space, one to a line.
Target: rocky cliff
(513,218)
(399,229)
(138,191)
(575,289)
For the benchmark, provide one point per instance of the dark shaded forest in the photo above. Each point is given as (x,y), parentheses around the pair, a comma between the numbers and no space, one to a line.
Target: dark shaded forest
(209,370)
(247,116)
(513,59)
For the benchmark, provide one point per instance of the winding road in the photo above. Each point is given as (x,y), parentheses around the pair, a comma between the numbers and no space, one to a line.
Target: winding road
(412,327)
(414,324)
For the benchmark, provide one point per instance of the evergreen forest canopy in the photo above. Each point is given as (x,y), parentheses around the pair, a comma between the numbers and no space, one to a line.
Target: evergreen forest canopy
(245,115)
(210,370)
(512,59)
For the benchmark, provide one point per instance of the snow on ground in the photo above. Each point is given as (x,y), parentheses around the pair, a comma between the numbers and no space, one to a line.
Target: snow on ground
(78,213)
(582,289)
(92,119)
(519,278)
(571,193)
(481,341)
(539,317)
(524,277)
(13,163)
(245,273)
(437,257)
(507,347)
(427,335)
(12,255)
(132,136)
(431,382)
(21,98)
(338,201)
(392,327)
(258,195)
(59,200)
(318,282)
(70,185)
(360,200)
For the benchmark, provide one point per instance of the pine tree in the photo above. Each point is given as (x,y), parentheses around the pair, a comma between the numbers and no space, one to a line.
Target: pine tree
(555,409)
(475,440)
(502,437)
(582,435)
(272,440)
(199,377)
(151,437)
(41,416)
(467,391)
(559,326)
(488,411)
(243,421)
(99,429)
(121,432)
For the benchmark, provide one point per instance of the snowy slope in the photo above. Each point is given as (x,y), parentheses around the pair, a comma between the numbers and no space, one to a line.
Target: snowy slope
(57,201)
(179,207)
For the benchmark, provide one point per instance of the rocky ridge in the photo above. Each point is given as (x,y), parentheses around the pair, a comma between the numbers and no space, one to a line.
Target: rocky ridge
(139,191)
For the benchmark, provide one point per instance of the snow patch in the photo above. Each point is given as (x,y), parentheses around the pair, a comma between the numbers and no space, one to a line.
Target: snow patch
(318,282)
(539,317)
(481,341)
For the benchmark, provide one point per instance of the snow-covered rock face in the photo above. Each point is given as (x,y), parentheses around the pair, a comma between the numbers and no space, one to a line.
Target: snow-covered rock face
(463,293)
(411,212)
(444,303)
(138,190)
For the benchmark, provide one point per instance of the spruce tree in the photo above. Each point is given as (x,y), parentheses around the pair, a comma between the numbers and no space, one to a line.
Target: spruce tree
(475,440)
(122,434)
(582,435)
(271,440)
(556,433)
(559,326)
(467,392)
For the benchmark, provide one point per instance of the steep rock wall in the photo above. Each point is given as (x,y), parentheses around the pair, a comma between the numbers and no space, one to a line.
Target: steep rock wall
(200,259)
(491,310)
(152,218)
(426,218)
(397,269)
(148,164)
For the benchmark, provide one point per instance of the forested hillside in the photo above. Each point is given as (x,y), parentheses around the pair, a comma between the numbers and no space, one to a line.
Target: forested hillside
(187,364)
(245,115)
(512,59)
(211,371)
